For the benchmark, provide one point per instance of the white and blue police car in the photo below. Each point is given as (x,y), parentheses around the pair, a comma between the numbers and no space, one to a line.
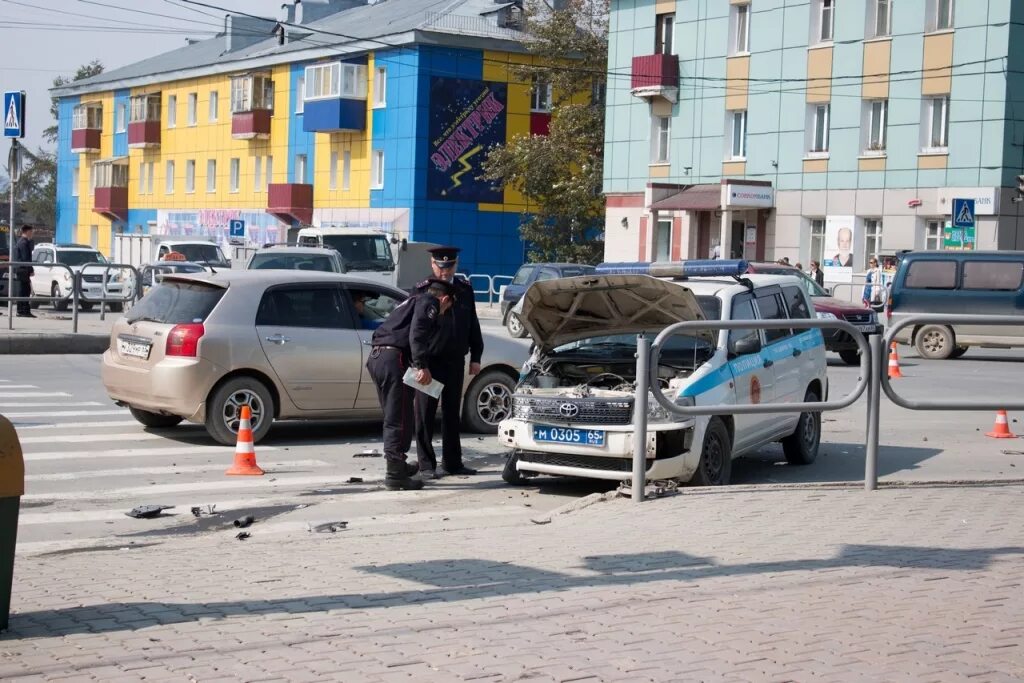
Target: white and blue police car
(573,406)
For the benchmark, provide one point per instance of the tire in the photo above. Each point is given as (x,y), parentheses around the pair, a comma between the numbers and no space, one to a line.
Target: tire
(515,326)
(84,306)
(935,342)
(801,447)
(224,406)
(850,357)
(488,401)
(715,466)
(510,474)
(154,420)
(58,303)
(959,351)
(115,308)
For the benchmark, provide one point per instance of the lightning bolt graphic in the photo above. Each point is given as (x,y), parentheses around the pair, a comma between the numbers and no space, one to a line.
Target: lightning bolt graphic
(466,168)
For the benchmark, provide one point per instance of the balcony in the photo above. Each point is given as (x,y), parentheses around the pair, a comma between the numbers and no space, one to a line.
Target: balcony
(251,125)
(85,140)
(143,134)
(291,202)
(656,76)
(111,202)
(334,115)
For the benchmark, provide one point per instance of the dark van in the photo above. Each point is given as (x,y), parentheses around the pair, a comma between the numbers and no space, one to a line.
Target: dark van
(954,283)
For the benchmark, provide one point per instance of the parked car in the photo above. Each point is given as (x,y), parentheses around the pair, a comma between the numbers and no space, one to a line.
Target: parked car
(958,282)
(828,307)
(573,409)
(54,284)
(289,344)
(526,276)
(283,257)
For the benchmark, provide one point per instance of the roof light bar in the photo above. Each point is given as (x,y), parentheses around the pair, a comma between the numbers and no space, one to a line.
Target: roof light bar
(693,268)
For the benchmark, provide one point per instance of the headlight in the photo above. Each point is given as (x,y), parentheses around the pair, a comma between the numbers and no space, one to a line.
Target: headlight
(657,413)
(826,316)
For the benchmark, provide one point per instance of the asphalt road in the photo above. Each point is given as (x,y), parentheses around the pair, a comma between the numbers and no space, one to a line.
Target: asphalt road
(88,462)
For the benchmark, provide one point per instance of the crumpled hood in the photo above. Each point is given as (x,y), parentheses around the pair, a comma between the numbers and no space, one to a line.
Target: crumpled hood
(557,312)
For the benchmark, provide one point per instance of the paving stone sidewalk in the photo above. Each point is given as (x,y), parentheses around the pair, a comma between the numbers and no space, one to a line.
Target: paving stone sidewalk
(803,584)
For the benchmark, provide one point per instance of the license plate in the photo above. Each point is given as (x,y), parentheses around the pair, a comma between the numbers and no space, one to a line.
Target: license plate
(866,328)
(133,349)
(576,437)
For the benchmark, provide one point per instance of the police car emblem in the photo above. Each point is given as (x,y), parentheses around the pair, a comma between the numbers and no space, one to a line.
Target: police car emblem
(569,410)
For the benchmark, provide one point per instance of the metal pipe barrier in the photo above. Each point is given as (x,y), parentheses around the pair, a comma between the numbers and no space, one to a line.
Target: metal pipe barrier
(489,289)
(647,376)
(10,299)
(496,288)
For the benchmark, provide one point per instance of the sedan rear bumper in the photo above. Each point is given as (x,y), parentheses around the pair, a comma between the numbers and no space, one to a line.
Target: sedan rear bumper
(172,386)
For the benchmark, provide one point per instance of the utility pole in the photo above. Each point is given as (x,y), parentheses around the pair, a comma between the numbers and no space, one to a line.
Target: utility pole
(13,173)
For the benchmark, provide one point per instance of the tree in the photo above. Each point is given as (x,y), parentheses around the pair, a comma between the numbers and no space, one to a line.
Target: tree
(93,68)
(561,174)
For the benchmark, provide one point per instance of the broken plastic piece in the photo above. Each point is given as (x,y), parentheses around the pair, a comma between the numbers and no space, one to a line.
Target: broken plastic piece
(148,511)
(242,535)
(330,527)
(243,522)
(369,453)
(355,480)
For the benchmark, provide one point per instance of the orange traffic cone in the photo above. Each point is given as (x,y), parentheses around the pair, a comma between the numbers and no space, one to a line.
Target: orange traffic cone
(895,351)
(245,453)
(1002,428)
(894,363)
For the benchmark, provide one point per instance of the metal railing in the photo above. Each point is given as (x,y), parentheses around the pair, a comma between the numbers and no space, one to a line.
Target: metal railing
(490,291)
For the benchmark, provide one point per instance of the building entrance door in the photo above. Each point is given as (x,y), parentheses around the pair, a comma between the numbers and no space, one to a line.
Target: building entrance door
(703,235)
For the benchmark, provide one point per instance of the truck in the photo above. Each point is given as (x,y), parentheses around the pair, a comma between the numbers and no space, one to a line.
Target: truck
(373,254)
(140,250)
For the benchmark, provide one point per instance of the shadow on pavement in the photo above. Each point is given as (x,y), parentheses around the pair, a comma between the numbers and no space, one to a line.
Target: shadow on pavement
(836,462)
(456,580)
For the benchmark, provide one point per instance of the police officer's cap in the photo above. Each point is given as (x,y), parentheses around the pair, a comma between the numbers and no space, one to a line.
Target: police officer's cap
(439,286)
(445,255)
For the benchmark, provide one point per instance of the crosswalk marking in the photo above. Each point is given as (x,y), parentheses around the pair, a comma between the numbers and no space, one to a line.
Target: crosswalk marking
(167,469)
(183,450)
(92,438)
(45,404)
(90,425)
(33,394)
(17,386)
(227,484)
(64,413)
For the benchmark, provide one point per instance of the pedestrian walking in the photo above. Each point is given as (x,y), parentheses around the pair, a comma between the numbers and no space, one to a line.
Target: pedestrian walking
(405,340)
(872,295)
(817,274)
(460,335)
(23,274)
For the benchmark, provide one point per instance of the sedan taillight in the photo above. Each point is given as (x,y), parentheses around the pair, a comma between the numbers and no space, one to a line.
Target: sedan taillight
(183,340)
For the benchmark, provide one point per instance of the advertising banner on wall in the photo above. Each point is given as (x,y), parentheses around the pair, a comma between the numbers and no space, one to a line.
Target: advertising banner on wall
(466,118)
(840,236)
(260,227)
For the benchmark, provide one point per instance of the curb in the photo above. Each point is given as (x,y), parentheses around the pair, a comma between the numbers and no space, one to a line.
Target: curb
(38,343)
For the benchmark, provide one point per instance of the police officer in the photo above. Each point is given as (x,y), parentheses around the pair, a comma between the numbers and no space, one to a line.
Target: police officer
(23,252)
(460,334)
(405,340)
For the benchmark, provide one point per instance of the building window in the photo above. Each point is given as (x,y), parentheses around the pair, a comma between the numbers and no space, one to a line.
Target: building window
(257,183)
(146,173)
(943,14)
(824,20)
(121,124)
(820,114)
(664,34)
(883,18)
(377,170)
(300,95)
(346,170)
(817,240)
(92,178)
(933,235)
(739,21)
(936,124)
(663,241)
(332,179)
(211,175)
(214,105)
(300,168)
(540,96)
(334,80)
(172,111)
(192,110)
(87,116)
(738,148)
(598,91)
(169,180)
(380,86)
(251,92)
(147,108)
(235,174)
(94,236)
(75,176)
(269,168)
(872,239)
(190,176)
(877,114)
(661,128)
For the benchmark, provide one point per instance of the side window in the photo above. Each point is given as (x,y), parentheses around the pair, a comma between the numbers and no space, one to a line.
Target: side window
(47,256)
(742,309)
(371,306)
(546,274)
(993,275)
(770,307)
(931,275)
(523,275)
(796,303)
(38,255)
(147,277)
(303,307)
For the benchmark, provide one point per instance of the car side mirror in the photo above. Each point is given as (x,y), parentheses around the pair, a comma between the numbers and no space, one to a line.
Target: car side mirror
(745,346)
(828,290)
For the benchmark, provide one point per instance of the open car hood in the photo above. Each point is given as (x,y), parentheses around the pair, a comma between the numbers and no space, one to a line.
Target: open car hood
(557,312)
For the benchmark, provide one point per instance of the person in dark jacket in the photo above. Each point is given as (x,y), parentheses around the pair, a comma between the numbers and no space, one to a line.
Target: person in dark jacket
(817,273)
(23,253)
(406,339)
(460,335)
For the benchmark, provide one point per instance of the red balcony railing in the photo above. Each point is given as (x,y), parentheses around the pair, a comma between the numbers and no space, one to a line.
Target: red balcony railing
(111,202)
(85,140)
(247,125)
(655,71)
(291,202)
(144,134)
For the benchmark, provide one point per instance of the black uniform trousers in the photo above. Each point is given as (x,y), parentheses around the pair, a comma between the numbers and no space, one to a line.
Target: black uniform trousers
(387,367)
(23,287)
(451,373)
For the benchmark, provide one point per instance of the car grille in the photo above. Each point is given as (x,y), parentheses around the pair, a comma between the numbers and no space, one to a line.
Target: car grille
(588,462)
(591,411)
(858,318)
(92,278)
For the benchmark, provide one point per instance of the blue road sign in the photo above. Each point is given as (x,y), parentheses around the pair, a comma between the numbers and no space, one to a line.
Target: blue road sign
(14,114)
(963,213)
(237,228)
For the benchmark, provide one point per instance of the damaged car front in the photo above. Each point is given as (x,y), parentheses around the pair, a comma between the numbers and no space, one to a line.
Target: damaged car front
(573,407)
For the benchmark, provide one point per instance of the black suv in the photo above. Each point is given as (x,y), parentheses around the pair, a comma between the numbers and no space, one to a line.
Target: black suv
(526,276)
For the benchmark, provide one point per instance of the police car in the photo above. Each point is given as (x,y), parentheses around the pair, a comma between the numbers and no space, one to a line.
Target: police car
(573,406)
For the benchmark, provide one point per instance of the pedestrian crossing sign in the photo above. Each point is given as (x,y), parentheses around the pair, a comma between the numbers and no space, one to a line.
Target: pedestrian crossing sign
(963,213)
(14,114)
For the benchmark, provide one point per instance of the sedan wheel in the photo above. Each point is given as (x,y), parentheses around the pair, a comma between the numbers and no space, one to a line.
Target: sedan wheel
(488,402)
(224,409)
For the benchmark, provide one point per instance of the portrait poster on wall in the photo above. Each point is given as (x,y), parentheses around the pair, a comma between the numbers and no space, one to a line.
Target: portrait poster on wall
(840,238)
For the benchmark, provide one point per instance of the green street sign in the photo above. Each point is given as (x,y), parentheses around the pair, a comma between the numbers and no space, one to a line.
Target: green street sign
(961,239)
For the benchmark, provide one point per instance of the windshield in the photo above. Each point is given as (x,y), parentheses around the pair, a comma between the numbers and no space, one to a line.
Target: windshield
(362,252)
(320,262)
(177,303)
(808,282)
(200,253)
(79,258)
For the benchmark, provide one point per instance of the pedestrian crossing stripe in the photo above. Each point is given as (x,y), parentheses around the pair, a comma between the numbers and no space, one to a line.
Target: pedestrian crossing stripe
(964,217)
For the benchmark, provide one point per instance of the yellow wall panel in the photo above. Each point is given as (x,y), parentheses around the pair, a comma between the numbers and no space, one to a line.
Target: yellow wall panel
(871,164)
(932,161)
(875,84)
(734,169)
(819,74)
(737,73)
(937,75)
(815,165)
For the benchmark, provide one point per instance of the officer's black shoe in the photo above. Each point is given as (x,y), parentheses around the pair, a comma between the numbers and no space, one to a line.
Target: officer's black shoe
(411,469)
(426,475)
(402,484)
(461,469)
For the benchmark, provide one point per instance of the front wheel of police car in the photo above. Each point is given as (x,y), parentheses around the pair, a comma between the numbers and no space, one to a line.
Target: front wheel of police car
(715,466)
(801,447)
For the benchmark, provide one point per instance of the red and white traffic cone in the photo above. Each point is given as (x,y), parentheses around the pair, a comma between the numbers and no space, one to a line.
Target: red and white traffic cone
(1002,428)
(245,452)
